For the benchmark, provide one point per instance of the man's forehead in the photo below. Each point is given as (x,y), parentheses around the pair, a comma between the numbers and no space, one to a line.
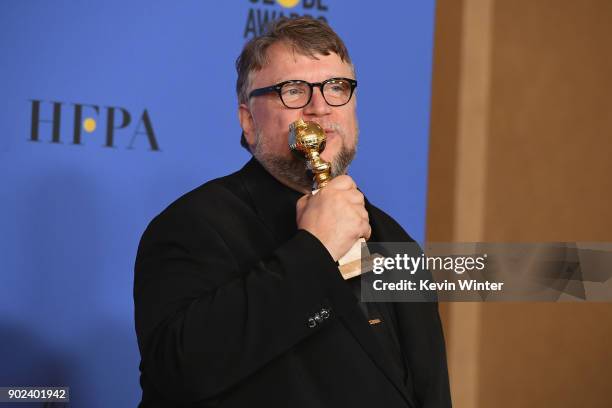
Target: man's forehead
(289,51)
(284,62)
(282,52)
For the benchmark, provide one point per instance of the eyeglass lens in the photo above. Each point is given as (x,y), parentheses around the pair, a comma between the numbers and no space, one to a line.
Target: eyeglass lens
(297,94)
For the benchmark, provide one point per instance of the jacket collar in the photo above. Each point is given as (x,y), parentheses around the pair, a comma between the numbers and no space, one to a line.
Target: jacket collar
(273,201)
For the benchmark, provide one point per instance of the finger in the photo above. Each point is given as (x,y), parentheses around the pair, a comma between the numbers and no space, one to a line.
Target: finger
(360,218)
(342,182)
(356,197)
(302,201)
(363,213)
(367,230)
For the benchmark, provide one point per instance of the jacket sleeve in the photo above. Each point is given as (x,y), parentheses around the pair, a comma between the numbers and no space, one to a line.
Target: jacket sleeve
(203,325)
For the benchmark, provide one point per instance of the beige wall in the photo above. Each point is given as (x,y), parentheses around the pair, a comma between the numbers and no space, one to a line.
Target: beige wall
(521,151)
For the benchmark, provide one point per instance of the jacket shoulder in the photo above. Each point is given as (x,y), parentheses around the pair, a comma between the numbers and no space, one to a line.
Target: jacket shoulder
(211,199)
(212,205)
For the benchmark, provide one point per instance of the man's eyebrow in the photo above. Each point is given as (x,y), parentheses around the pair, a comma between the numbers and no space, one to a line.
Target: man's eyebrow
(295,78)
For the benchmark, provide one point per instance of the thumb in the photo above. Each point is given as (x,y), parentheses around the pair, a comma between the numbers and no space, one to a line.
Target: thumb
(301,203)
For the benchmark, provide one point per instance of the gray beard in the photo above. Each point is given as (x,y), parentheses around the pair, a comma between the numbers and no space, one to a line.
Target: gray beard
(293,169)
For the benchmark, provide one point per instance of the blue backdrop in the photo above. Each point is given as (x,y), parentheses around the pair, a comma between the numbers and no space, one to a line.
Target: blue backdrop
(111,110)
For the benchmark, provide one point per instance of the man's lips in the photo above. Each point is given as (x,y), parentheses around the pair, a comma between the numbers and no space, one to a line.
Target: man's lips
(330,132)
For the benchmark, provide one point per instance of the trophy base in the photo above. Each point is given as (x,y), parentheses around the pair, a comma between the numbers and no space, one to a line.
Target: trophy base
(352,264)
(358,267)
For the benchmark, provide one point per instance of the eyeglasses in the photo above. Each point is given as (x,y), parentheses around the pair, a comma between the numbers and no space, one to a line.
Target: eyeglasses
(296,94)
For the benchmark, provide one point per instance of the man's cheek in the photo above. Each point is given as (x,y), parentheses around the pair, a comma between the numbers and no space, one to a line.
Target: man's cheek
(331,148)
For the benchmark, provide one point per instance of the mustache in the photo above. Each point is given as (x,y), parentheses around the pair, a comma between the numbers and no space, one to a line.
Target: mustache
(334,127)
(330,126)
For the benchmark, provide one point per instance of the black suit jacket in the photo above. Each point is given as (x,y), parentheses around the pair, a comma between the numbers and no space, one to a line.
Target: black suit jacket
(224,288)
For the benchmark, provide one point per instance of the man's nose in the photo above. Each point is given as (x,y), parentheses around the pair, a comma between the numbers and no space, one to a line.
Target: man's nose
(317,105)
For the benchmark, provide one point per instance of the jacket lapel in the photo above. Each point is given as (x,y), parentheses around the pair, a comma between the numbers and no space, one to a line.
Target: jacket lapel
(360,329)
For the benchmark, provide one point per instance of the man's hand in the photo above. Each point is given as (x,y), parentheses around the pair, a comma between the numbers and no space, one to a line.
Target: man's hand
(336,215)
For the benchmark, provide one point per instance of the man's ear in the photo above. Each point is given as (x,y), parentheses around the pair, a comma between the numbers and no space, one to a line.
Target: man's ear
(246,123)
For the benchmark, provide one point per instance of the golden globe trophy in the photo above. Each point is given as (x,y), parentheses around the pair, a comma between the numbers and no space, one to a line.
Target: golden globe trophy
(307,141)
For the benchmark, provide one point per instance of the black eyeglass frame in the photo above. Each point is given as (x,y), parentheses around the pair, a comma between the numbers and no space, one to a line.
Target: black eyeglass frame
(277,88)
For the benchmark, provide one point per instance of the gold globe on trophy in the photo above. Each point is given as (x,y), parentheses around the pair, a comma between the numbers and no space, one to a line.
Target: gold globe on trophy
(307,140)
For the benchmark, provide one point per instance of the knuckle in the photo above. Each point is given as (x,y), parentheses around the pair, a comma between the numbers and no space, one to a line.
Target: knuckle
(344,182)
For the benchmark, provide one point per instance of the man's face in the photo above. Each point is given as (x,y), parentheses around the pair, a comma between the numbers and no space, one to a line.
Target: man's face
(265,120)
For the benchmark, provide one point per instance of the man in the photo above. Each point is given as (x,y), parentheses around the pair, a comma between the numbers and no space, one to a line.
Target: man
(239,300)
